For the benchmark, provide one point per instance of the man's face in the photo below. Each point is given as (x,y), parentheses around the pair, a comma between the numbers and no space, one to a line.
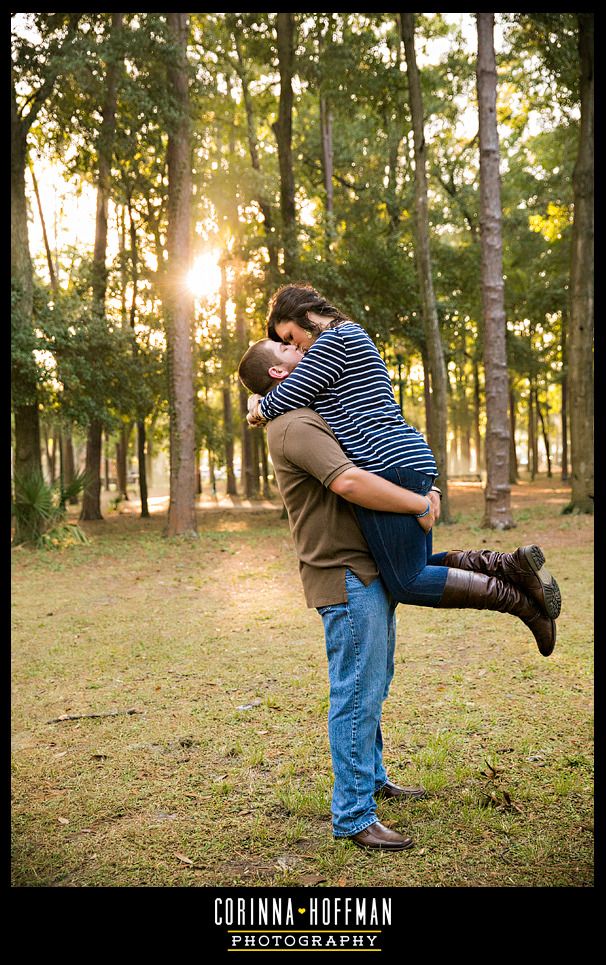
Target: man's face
(287,357)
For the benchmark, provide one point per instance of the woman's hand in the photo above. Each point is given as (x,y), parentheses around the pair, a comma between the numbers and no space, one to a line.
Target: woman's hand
(254,417)
(426,522)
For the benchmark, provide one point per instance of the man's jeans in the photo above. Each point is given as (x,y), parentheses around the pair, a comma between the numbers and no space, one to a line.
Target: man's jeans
(401,548)
(360,641)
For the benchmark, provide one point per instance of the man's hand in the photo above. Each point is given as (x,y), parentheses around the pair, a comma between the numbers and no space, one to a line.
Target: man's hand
(426,522)
(254,417)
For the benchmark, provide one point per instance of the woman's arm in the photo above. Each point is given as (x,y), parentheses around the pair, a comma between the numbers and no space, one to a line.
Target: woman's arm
(373,492)
(320,368)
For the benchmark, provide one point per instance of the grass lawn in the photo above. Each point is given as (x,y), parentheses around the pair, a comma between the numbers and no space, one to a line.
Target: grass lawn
(222,776)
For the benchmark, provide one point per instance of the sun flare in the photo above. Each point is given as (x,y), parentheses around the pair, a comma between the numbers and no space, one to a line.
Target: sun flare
(204,279)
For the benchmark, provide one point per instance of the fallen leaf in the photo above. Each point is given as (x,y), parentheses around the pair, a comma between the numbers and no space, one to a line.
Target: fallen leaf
(61,754)
(63,820)
(255,703)
(183,858)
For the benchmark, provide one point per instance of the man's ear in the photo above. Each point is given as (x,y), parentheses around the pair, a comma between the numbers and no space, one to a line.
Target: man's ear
(277,372)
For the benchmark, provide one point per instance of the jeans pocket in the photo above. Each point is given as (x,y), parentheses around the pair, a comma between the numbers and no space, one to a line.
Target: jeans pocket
(417,482)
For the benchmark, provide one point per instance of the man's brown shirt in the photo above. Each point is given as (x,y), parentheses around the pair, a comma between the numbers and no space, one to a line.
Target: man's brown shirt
(307,458)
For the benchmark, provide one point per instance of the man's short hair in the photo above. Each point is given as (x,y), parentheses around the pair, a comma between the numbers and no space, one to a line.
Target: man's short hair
(254,364)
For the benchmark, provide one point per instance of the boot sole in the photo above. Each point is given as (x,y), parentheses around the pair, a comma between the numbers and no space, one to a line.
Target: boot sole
(383,847)
(552,598)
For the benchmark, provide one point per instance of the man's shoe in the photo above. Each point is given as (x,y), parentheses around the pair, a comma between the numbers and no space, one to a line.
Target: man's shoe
(393,790)
(525,568)
(465,589)
(376,837)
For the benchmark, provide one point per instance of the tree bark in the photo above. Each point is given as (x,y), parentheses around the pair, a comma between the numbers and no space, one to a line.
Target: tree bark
(564,397)
(497,494)
(141,458)
(327,167)
(228,428)
(179,302)
(513,456)
(477,408)
(545,435)
(91,498)
(28,458)
(438,425)
(251,129)
(283,131)
(91,502)
(47,248)
(532,444)
(580,346)
(68,466)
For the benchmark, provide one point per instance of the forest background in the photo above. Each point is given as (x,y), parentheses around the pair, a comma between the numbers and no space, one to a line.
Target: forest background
(174,171)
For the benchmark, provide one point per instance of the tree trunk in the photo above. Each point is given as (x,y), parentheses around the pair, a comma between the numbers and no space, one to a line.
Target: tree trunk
(497,495)
(564,415)
(477,408)
(228,428)
(122,461)
(327,167)
(67,461)
(283,131)
(179,314)
(141,465)
(28,458)
(141,456)
(198,473)
(90,510)
(264,465)
(513,456)
(251,128)
(545,435)
(532,446)
(580,347)
(427,393)
(91,498)
(49,257)
(106,459)
(438,426)
(211,472)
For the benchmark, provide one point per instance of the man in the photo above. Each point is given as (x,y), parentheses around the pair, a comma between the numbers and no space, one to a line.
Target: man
(341,580)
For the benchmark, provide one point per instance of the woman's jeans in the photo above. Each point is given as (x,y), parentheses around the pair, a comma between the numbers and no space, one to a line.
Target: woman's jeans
(401,548)
(360,641)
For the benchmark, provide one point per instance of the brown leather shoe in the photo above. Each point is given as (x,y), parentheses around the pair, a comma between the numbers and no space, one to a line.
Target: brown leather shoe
(475,591)
(525,567)
(376,836)
(393,790)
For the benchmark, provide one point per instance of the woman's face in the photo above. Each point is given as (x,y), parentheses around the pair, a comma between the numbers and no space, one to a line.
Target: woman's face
(293,334)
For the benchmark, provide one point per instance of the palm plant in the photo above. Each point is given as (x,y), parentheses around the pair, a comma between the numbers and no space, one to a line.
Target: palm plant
(40,510)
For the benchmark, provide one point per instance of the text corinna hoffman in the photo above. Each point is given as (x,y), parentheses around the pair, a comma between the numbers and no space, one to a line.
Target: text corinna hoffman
(311,913)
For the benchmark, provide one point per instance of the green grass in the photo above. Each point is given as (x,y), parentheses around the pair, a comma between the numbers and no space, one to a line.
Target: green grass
(186,633)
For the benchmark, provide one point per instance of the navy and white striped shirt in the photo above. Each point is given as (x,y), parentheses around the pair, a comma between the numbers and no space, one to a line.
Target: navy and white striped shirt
(345,380)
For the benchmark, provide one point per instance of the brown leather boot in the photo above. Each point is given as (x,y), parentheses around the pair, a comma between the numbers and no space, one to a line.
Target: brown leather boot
(526,568)
(465,589)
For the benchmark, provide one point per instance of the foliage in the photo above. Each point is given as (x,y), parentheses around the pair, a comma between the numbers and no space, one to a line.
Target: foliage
(40,511)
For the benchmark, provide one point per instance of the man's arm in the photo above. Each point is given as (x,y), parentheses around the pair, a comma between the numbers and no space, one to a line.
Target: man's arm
(373,492)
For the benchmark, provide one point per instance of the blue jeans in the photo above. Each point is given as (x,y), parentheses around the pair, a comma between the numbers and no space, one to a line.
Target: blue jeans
(400,547)
(360,642)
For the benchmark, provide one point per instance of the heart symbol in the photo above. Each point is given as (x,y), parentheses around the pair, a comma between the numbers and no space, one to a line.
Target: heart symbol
(301,911)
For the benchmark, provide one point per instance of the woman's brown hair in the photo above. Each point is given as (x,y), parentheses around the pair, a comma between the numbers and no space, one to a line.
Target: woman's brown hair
(291,303)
